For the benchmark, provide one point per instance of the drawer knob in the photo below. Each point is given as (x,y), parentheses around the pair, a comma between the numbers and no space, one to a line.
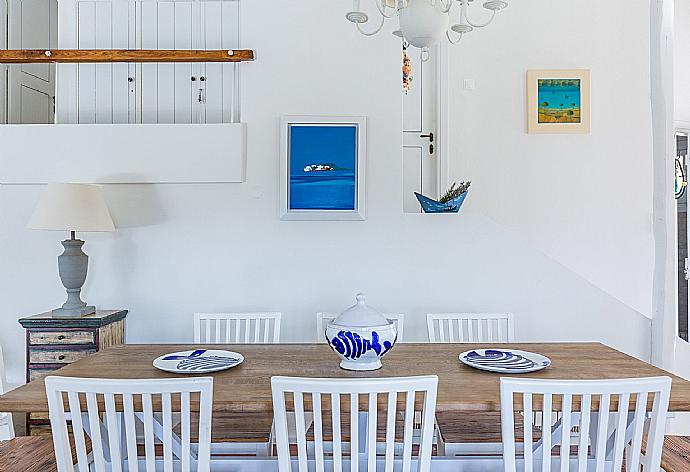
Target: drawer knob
(61,337)
(61,357)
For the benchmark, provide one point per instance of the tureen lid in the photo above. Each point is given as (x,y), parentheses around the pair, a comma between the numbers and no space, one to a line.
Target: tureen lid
(361,315)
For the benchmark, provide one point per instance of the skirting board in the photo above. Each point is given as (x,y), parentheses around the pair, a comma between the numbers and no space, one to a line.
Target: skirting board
(122,153)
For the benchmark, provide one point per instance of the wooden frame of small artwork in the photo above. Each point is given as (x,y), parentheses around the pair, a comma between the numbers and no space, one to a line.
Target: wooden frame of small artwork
(558,101)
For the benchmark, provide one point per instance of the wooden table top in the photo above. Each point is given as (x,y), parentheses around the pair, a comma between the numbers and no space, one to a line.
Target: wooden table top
(247,388)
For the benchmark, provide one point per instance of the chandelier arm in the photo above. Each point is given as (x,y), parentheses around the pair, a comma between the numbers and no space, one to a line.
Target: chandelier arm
(481,25)
(450,39)
(371,33)
(446,8)
(381,5)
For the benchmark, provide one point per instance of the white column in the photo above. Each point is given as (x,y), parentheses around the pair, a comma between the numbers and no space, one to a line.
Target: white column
(664,296)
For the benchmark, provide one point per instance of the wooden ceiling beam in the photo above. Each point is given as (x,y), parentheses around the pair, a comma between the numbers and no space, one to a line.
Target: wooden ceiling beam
(86,56)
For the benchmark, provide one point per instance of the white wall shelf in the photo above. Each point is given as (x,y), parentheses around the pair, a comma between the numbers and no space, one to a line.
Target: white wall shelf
(123,153)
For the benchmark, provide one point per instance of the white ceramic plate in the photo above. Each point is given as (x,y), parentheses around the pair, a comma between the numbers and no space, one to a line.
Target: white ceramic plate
(505,361)
(199,361)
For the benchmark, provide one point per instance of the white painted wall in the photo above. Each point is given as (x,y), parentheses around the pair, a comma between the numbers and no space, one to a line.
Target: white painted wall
(3,68)
(585,200)
(186,248)
(682,62)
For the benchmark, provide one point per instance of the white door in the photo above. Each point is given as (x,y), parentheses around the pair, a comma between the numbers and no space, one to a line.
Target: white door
(420,130)
(31,87)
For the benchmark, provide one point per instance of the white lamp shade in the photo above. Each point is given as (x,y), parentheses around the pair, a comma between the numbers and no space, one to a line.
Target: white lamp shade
(423,23)
(72,207)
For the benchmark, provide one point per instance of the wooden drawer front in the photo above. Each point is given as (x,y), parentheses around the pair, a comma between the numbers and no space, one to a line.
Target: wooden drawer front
(61,337)
(57,357)
(36,374)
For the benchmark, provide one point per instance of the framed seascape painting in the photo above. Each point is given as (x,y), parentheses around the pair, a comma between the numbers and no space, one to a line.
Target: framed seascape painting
(322,167)
(558,101)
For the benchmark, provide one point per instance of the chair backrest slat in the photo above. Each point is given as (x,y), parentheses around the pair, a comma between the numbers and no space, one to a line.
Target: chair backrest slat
(78,430)
(318,431)
(585,404)
(566,426)
(585,421)
(95,428)
(527,429)
(638,429)
(149,444)
(113,425)
(323,318)
(469,327)
(337,441)
(408,428)
(390,430)
(130,430)
(380,395)
(602,431)
(119,403)
(354,430)
(237,328)
(546,444)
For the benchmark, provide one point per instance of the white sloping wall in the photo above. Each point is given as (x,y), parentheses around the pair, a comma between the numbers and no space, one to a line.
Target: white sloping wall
(187,248)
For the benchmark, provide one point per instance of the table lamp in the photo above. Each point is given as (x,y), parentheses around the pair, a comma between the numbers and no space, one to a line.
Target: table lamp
(72,207)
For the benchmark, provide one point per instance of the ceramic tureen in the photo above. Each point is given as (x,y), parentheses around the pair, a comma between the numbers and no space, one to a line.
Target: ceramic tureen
(361,336)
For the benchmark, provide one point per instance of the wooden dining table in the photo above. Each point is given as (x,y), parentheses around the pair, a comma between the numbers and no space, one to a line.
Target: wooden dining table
(247,387)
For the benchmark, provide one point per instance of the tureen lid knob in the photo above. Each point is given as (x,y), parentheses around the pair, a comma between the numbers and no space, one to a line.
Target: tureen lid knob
(361,299)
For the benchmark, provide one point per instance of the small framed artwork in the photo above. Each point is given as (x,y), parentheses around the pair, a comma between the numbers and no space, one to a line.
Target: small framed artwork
(322,167)
(558,101)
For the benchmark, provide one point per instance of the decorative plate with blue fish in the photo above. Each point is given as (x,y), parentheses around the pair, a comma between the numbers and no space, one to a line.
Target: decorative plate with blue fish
(198,361)
(505,361)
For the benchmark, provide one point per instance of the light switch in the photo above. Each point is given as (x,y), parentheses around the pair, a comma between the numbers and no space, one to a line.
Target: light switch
(468,84)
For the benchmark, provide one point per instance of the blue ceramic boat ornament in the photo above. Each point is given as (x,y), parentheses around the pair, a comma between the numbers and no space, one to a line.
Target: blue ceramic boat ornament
(361,336)
(432,206)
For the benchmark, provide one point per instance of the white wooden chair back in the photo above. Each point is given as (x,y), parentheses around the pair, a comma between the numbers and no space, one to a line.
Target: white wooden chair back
(237,328)
(316,395)
(6,424)
(469,327)
(114,441)
(322,319)
(602,409)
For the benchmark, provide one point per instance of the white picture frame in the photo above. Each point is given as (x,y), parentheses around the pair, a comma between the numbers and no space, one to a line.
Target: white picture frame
(290,188)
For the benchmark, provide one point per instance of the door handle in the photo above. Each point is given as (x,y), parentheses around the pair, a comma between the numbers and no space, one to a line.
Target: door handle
(430,136)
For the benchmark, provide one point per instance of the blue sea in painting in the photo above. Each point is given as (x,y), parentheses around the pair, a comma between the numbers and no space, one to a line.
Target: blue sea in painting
(323,167)
(560,96)
(559,100)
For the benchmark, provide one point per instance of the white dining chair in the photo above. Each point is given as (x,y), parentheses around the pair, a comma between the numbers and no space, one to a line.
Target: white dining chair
(461,433)
(6,424)
(342,397)
(114,442)
(231,432)
(611,416)
(469,327)
(323,318)
(237,328)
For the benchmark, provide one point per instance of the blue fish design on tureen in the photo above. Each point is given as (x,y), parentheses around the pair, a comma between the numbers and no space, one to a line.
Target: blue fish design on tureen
(361,336)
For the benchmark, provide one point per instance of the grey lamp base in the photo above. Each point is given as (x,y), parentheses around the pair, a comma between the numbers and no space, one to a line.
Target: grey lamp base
(72,266)
(73,312)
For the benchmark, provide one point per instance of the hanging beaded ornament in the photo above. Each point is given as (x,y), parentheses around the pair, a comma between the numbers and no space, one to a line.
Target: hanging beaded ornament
(407,73)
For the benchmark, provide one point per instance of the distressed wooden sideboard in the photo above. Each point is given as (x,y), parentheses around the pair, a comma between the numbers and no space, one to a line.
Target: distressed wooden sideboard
(52,343)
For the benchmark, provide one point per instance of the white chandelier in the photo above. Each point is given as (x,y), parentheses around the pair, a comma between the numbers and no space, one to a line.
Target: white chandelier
(423,23)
